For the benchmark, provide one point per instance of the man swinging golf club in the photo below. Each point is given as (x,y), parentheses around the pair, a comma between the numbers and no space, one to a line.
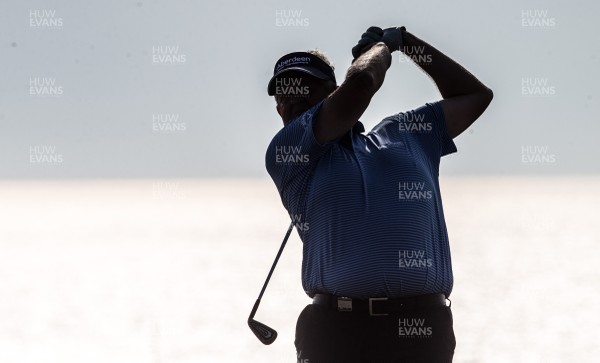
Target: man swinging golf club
(367,206)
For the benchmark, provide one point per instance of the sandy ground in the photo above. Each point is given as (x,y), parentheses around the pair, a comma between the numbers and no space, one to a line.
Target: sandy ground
(167,270)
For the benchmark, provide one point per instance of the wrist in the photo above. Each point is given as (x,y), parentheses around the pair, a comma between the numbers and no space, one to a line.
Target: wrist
(393,38)
(407,40)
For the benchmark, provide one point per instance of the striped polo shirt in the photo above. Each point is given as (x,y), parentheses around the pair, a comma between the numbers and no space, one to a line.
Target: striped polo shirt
(367,206)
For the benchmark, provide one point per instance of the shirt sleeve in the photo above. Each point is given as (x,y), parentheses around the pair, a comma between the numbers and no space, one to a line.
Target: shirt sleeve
(426,125)
(440,131)
(292,156)
(423,130)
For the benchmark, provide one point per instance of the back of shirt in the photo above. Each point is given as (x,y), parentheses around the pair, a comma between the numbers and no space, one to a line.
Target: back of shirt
(368,207)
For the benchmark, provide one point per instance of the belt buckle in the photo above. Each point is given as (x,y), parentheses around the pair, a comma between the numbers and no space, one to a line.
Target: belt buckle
(344,304)
(371,299)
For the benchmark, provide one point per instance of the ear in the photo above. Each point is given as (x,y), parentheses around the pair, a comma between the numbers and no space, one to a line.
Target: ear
(279,110)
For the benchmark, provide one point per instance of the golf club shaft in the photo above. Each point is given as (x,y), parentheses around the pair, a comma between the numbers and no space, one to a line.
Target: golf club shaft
(287,235)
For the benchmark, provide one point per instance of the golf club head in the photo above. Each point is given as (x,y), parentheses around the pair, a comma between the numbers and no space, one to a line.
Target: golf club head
(265,334)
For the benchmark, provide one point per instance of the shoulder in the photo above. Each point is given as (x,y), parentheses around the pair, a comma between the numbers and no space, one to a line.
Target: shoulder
(300,124)
(298,136)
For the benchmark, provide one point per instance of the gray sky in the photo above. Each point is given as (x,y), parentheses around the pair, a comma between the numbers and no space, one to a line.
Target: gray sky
(116,88)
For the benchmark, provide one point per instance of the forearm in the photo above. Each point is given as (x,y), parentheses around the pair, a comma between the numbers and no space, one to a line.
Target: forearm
(372,64)
(450,77)
(348,102)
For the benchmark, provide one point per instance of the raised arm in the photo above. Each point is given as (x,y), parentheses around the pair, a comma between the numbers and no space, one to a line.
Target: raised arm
(342,109)
(464,96)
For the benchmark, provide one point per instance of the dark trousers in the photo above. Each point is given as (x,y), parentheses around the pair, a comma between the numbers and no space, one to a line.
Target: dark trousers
(325,335)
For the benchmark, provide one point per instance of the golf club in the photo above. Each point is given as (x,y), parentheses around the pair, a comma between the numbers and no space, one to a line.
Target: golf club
(264,333)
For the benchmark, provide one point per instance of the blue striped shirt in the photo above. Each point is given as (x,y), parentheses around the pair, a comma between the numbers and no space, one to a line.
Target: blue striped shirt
(367,206)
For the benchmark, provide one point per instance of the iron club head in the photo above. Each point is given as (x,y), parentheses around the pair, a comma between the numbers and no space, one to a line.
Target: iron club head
(265,334)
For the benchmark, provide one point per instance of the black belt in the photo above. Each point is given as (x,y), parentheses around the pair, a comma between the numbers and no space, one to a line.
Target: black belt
(379,306)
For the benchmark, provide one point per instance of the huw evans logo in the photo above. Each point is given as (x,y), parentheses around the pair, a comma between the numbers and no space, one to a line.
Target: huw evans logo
(416,54)
(44,154)
(167,123)
(536,86)
(290,18)
(413,191)
(168,190)
(290,87)
(534,154)
(413,122)
(414,259)
(290,155)
(299,223)
(413,328)
(167,55)
(536,18)
(44,18)
(300,359)
(44,86)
